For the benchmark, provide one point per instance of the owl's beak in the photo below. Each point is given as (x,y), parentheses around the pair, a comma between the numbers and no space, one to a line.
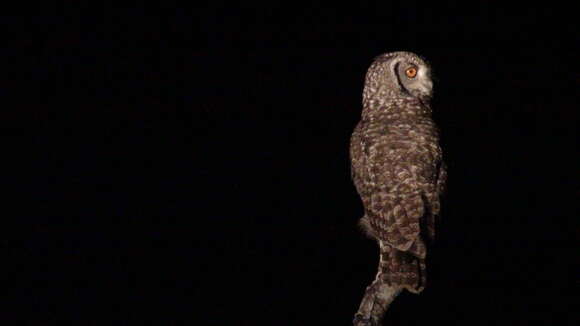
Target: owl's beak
(426,88)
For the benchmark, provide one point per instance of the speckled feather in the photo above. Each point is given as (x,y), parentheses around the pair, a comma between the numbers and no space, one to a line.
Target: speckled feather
(397,168)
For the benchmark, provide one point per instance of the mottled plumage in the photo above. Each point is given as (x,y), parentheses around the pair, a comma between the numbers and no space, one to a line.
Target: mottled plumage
(399,173)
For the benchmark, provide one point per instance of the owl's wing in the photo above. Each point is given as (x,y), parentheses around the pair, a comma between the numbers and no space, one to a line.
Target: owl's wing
(395,181)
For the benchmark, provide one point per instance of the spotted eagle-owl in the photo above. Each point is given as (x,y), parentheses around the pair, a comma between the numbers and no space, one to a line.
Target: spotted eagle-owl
(399,173)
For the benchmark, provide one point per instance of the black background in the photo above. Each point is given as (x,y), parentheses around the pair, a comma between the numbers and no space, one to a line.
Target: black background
(175,165)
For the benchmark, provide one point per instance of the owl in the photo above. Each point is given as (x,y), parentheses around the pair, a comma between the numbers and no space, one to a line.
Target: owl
(399,173)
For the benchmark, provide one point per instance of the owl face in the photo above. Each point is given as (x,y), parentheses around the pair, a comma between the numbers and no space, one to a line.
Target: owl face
(413,76)
(398,74)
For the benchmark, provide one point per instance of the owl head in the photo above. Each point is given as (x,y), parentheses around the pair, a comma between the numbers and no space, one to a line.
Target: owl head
(398,75)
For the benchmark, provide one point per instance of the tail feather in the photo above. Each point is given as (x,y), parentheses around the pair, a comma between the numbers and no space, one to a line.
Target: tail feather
(401,269)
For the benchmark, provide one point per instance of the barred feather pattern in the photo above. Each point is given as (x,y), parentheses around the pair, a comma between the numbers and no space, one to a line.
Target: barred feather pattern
(398,169)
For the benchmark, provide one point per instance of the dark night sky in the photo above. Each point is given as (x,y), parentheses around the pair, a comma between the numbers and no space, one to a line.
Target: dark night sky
(190,166)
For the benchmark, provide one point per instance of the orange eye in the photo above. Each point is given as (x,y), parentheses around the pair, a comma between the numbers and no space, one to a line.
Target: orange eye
(411,72)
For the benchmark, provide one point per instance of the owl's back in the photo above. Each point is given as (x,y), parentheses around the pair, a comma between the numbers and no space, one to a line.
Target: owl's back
(395,159)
